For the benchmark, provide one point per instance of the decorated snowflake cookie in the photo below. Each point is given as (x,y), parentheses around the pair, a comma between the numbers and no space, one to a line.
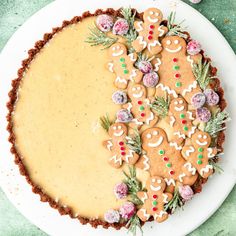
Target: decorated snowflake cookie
(123,66)
(198,154)
(163,158)
(154,200)
(117,146)
(149,31)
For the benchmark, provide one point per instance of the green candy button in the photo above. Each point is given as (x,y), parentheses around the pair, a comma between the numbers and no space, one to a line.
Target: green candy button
(154,203)
(199,162)
(141,108)
(200,156)
(161,152)
(122,59)
(182,116)
(200,149)
(185,128)
(168,165)
(178,84)
(123,65)
(126,71)
(176,67)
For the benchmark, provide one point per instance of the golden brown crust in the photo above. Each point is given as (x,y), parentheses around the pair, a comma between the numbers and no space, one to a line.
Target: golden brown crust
(13,98)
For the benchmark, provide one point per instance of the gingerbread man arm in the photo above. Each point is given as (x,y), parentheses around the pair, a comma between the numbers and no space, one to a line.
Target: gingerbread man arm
(133,57)
(143,163)
(142,196)
(211,152)
(128,106)
(167,197)
(108,144)
(162,30)
(110,67)
(138,25)
(187,151)
(194,59)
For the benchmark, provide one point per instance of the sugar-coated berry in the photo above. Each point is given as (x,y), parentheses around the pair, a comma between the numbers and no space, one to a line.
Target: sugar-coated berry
(121,27)
(104,23)
(195,1)
(145,66)
(119,97)
(198,100)
(150,80)
(193,47)
(127,210)
(212,98)
(121,190)
(203,114)
(124,116)
(112,216)
(186,192)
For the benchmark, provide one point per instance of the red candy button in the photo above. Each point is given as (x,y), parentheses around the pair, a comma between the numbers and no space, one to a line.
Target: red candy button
(177,75)
(122,148)
(152,26)
(171,172)
(142,114)
(140,102)
(123,153)
(149,37)
(150,32)
(175,59)
(121,143)
(165,158)
(154,209)
(184,121)
(154,196)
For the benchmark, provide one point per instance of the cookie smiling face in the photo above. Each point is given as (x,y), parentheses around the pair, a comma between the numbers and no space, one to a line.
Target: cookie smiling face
(117,50)
(153,15)
(174,44)
(118,130)
(202,139)
(156,184)
(136,92)
(178,105)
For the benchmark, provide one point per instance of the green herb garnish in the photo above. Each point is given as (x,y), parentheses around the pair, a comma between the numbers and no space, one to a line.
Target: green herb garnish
(135,142)
(216,167)
(216,123)
(106,122)
(175,202)
(174,28)
(134,224)
(97,37)
(161,105)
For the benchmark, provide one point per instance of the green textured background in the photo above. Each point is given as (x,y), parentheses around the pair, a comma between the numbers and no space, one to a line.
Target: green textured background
(222,13)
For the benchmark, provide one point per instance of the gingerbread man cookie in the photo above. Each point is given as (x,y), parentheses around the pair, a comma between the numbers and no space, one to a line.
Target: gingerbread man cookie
(175,70)
(117,146)
(140,106)
(123,66)
(199,152)
(181,120)
(154,200)
(149,31)
(163,158)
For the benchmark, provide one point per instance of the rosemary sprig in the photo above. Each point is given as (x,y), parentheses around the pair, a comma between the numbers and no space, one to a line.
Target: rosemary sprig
(215,124)
(98,37)
(216,167)
(135,142)
(174,28)
(132,33)
(161,105)
(201,72)
(134,224)
(106,122)
(175,202)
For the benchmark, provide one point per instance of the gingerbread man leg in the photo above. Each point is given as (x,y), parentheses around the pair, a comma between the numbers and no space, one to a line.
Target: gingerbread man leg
(139,44)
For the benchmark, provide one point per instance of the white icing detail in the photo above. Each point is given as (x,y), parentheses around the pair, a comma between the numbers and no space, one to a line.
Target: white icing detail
(119,133)
(111,67)
(159,215)
(190,88)
(117,54)
(174,144)
(145,162)
(129,106)
(120,80)
(190,168)
(172,121)
(150,118)
(190,150)
(181,177)
(137,122)
(180,135)
(133,75)
(192,131)
(205,169)
(130,155)
(201,143)
(131,56)
(190,60)
(142,42)
(161,31)
(156,189)
(173,51)
(210,153)
(115,159)
(190,115)
(154,44)
(145,214)
(165,196)
(167,89)
(109,145)
(138,95)
(140,26)
(128,138)
(170,181)
(143,199)
(157,64)
(155,20)
(179,108)
(158,143)
(147,101)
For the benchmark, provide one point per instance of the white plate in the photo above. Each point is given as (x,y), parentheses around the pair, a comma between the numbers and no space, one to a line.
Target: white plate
(19,192)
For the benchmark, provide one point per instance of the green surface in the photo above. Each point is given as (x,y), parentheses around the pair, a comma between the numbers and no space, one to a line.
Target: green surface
(222,14)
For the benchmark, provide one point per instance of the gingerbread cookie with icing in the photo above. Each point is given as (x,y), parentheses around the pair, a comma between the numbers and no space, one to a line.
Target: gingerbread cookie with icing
(163,158)
(198,154)
(123,66)
(181,120)
(175,70)
(140,106)
(117,146)
(149,31)
(154,200)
